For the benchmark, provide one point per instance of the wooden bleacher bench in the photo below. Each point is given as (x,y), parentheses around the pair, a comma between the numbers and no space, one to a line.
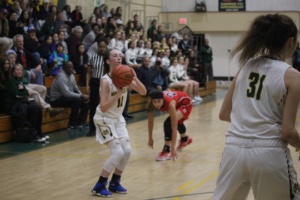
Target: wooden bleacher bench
(137,103)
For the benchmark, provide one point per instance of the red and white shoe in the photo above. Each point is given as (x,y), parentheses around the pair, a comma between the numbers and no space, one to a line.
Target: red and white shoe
(163,156)
(184,144)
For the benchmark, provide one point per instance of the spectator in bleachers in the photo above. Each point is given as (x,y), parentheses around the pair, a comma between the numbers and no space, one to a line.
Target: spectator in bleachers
(110,27)
(55,40)
(57,59)
(28,61)
(183,77)
(154,36)
(174,82)
(153,56)
(76,17)
(12,22)
(160,33)
(112,12)
(105,11)
(159,75)
(143,74)
(123,41)
(94,73)
(4,4)
(151,28)
(118,19)
(185,45)
(15,91)
(139,27)
(174,46)
(103,23)
(131,55)
(166,59)
(115,42)
(31,44)
(4,25)
(80,61)
(37,92)
(48,27)
(97,13)
(52,10)
(67,15)
(88,26)
(147,49)
(23,22)
(5,69)
(129,38)
(64,92)
(61,39)
(207,58)
(43,10)
(140,52)
(59,23)
(16,8)
(74,39)
(129,28)
(91,36)
(45,48)
(194,67)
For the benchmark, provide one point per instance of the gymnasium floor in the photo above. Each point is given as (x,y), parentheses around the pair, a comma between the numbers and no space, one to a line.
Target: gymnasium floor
(12,148)
(68,167)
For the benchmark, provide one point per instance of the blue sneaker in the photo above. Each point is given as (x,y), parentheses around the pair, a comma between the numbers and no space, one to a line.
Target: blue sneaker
(114,186)
(100,190)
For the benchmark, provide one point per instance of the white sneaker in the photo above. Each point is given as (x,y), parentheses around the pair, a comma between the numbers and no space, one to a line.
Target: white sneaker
(194,102)
(198,98)
(46,137)
(40,140)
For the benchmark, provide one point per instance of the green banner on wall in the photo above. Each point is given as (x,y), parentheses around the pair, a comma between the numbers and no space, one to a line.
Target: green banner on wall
(232,5)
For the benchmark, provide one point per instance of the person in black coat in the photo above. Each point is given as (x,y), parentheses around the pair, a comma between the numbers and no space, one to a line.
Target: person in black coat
(143,74)
(80,61)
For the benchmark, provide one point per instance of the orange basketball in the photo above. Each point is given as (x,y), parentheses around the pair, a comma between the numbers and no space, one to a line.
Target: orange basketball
(122,76)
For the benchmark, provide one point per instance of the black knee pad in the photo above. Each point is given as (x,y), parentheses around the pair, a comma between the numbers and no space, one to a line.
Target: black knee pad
(181,128)
(168,129)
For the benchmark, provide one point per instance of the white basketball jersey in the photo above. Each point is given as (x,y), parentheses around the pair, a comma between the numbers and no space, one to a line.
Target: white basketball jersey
(117,109)
(258,99)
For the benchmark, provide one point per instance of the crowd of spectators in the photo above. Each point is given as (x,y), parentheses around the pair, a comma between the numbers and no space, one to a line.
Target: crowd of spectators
(45,39)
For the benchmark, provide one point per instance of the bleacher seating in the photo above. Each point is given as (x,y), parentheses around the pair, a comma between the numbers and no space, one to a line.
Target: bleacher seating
(137,103)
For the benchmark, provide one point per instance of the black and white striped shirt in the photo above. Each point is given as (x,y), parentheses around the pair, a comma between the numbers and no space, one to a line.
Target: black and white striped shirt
(96,61)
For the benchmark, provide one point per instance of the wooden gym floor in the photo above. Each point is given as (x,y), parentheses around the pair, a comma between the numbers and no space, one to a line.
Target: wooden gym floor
(68,167)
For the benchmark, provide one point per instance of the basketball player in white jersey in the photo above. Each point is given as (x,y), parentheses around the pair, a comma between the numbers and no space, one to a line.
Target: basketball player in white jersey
(261,106)
(111,127)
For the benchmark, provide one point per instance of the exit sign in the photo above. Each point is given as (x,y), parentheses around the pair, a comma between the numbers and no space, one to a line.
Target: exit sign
(182,21)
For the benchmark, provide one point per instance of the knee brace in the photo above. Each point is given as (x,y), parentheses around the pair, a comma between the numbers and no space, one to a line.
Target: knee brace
(181,128)
(125,143)
(117,154)
(168,129)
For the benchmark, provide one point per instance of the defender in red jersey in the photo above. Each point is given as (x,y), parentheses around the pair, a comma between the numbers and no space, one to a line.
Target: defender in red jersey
(179,106)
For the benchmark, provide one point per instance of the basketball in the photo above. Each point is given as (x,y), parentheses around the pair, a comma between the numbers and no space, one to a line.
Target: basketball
(122,76)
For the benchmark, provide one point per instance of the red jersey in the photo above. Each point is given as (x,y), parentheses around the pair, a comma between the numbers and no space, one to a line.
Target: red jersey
(183,103)
(181,99)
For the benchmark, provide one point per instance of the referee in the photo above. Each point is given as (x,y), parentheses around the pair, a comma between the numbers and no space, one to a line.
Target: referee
(94,73)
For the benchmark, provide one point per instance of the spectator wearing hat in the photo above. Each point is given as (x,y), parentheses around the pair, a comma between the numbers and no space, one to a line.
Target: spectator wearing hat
(43,10)
(31,44)
(5,5)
